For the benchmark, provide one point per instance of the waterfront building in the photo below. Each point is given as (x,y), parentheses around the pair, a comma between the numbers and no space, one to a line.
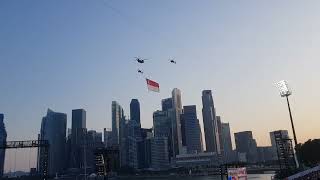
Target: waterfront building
(53,129)
(191,131)
(246,144)
(210,123)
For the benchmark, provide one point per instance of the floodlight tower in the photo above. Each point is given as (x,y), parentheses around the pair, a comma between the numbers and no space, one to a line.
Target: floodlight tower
(285,91)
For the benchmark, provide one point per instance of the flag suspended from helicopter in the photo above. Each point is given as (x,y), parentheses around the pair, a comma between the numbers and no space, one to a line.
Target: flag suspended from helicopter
(153,86)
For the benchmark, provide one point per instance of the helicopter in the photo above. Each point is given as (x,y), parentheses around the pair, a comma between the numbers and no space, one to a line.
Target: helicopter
(140,60)
(139,71)
(173,61)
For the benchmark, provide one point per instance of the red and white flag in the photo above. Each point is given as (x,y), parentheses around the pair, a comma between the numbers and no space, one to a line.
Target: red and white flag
(153,86)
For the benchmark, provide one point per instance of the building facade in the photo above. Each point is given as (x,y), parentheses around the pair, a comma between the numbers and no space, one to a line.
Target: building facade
(135,110)
(210,123)
(144,148)
(162,127)
(176,121)
(107,137)
(284,134)
(226,143)
(53,129)
(117,117)
(159,153)
(3,140)
(246,144)
(78,134)
(226,137)
(191,131)
(166,104)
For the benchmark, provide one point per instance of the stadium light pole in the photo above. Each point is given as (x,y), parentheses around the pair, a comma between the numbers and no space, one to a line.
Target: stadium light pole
(286,92)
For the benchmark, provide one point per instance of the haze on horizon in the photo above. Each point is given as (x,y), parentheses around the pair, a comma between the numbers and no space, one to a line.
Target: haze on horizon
(66,55)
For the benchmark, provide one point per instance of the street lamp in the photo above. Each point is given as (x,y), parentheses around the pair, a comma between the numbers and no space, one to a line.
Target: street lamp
(286,92)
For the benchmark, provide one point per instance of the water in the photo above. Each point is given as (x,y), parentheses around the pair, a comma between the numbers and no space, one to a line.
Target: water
(250,177)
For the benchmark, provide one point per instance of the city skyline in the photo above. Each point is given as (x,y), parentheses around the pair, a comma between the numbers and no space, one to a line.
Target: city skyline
(84,59)
(79,122)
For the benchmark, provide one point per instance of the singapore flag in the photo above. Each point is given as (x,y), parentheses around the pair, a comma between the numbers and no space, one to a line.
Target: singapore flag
(153,86)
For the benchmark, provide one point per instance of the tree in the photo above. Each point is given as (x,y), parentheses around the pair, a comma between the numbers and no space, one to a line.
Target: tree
(309,152)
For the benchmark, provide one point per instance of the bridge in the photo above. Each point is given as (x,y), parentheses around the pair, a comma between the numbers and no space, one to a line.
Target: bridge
(43,152)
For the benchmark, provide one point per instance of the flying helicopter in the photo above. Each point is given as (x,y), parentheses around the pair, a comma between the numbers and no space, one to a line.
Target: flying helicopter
(140,60)
(173,61)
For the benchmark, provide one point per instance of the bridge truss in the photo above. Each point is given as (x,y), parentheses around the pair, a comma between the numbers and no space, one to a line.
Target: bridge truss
(43,152)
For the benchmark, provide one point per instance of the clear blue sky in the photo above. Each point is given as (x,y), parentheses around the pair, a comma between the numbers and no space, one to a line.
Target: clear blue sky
(79,54)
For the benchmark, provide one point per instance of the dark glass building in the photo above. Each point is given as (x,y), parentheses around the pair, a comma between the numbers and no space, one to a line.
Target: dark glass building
(78,134)
(135,110)
(210,123)
(117,118)
(226,137)
(246,144)
(53,129)
(191,132)
(166,104)
(3,139)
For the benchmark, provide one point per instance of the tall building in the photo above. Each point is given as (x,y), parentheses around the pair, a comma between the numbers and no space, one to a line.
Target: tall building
(117,117)
(144,148)
(107,137)
(226,137)
(53,129)
(78,135)
(176,121)
(191,130)
(123,144)
(210,123)
(133,140)
(285,152)
(246,144)
(3,139)
(166,104)
(283,134)
(135,110)
(162,128)
(159,153)
(94,137)
(93,141)
(220,133)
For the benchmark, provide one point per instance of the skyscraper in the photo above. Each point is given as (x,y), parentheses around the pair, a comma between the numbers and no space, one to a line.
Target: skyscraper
(78,135)
(78,119)
(210,123)
(135,110)
(283,134)
(144,148)
(93,141)
(226,137)
(53,129)
(3,139)
(176,121)
(123,141)
(220,133)
(161,124)
(117,116)
(191,129)
(133,139)
(162,128)
(107,137)
(246,144)
(166,104)
(229,154)
(159,153)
